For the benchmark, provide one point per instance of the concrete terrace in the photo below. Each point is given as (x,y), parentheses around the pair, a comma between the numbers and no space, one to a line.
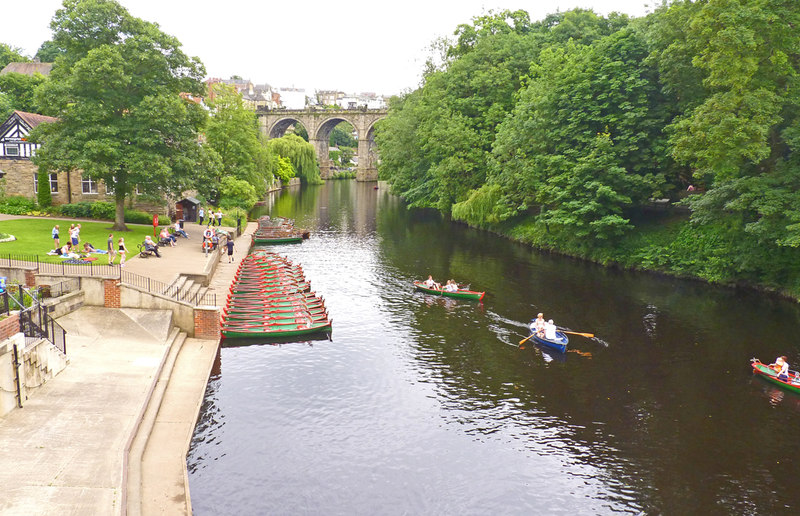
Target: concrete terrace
(109,434)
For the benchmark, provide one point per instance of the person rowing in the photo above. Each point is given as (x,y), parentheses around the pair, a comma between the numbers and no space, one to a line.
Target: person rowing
(537,325)
(430,283)
(781,366)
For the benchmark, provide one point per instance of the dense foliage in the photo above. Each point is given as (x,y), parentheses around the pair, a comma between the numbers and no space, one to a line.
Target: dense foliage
(300,153)
(561,132)
(232,135)
(117,92)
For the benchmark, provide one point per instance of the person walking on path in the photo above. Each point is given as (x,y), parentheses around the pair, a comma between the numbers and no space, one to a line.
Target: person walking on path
(219,218)
(55,237)
(200,216)
(122,251)
(110,249)
(229,245)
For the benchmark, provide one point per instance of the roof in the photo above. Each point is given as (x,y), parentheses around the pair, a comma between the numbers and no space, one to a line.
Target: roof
(191,200)
(28,68)
(34,119)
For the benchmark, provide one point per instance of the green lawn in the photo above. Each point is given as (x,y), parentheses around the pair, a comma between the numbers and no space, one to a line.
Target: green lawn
(34,237)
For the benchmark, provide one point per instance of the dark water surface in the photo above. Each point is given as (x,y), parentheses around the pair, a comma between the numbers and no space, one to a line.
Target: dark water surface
(423,405)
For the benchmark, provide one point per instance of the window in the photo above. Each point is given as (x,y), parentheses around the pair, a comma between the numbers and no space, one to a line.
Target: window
(53,183)
(88,185)
(12,150)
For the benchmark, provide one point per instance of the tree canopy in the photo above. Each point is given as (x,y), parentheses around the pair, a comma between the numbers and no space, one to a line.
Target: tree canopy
(576,122)
(117,92)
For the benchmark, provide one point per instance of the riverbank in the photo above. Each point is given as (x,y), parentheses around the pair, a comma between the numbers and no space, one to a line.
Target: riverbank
(668,244)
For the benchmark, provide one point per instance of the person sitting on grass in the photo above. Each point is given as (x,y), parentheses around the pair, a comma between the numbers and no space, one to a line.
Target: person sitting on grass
(67,252)
(88,248)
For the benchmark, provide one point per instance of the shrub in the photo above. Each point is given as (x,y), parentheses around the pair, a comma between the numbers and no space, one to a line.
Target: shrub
(77,210)
(17,205)
(142,217)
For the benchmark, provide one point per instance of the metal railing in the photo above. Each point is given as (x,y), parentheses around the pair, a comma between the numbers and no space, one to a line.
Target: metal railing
(106,271)
(35,323)
(165,289)
(64,287)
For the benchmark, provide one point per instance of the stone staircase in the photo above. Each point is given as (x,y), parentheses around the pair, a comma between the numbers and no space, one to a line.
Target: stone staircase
(189,290)
(147,422)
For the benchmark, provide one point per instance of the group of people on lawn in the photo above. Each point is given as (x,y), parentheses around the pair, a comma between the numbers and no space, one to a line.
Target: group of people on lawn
(167,236)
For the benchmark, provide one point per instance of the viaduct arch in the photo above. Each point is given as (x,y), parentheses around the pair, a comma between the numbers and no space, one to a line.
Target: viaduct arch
(319,124)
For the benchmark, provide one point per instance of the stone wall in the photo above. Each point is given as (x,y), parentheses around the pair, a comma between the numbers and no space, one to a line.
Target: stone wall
(39,363)
(19,176)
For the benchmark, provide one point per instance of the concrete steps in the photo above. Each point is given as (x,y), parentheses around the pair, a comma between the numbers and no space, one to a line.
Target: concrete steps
(189,290)
(135,451)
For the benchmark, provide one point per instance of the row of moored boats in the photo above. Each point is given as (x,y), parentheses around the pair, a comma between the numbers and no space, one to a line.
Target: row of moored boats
(270,297)
(278,230)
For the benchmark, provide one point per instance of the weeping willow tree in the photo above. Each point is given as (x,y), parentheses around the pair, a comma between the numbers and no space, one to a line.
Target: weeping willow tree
(300,153)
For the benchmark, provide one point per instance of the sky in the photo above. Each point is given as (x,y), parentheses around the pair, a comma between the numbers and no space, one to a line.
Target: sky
(353,46)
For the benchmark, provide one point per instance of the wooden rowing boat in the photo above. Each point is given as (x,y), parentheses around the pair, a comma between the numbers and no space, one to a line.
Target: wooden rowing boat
(459,294)
(276,331)
(559,344)
(769,374)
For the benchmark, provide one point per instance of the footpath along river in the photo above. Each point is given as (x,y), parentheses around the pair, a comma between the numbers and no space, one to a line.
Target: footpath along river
(423,405)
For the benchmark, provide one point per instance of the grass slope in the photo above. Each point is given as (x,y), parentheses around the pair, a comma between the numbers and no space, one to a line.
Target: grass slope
(34,237)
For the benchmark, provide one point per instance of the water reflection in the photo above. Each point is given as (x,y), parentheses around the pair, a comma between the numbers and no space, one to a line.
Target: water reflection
(423,404)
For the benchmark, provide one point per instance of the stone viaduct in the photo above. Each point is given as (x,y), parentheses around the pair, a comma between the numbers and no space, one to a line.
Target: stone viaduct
(319,124)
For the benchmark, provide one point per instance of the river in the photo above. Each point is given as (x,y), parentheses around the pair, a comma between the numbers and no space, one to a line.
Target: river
(424,405)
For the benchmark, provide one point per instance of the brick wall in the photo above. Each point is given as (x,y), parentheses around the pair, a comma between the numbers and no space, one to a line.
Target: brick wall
(30,278)
(111,294)
(206,323)
(9,326)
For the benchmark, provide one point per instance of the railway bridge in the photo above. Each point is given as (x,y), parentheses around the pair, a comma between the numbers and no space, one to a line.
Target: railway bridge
(319,123)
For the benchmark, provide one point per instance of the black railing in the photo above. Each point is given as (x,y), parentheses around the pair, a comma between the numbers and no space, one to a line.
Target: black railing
(106,271)
(164,289)
(64,287)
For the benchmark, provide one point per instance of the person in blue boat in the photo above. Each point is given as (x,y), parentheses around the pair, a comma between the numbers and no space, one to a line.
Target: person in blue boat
(537,325)
(550,330)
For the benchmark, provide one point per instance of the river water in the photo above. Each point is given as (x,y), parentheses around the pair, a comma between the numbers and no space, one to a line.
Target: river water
(423,405)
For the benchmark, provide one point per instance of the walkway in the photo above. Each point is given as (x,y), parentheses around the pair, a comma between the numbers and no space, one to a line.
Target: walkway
(63,453)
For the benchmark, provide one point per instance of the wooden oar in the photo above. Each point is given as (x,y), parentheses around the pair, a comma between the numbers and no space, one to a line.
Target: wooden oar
(589,335)
(523,341)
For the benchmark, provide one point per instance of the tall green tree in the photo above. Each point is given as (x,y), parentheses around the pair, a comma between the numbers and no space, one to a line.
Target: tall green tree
(117,94)
(232,132)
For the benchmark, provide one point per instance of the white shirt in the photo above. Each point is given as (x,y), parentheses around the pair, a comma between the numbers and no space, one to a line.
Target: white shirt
(549,331)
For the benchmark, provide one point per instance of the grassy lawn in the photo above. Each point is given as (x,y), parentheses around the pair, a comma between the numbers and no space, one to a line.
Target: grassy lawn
(34,237)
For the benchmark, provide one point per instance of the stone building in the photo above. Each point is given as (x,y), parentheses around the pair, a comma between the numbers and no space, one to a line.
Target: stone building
(20,176)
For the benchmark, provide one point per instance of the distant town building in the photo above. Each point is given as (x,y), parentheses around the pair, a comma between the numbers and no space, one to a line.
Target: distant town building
(292,98)
(350,101)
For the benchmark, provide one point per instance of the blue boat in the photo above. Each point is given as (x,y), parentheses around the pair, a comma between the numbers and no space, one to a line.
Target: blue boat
(559,344)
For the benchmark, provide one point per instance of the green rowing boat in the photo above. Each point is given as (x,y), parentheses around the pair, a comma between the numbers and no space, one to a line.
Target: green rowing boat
(460,294)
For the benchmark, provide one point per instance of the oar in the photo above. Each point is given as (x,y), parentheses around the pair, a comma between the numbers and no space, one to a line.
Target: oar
(589,335)
(523,341)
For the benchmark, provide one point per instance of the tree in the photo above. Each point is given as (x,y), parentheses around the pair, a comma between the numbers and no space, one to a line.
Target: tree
(232,132)
(6,106)
(237,193)
(342,135)
(49,52)
(9,54)
(43,195)
(20,90)
(300,153)
(116,92)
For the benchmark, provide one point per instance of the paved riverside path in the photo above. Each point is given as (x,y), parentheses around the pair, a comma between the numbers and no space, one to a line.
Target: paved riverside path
(62,454)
